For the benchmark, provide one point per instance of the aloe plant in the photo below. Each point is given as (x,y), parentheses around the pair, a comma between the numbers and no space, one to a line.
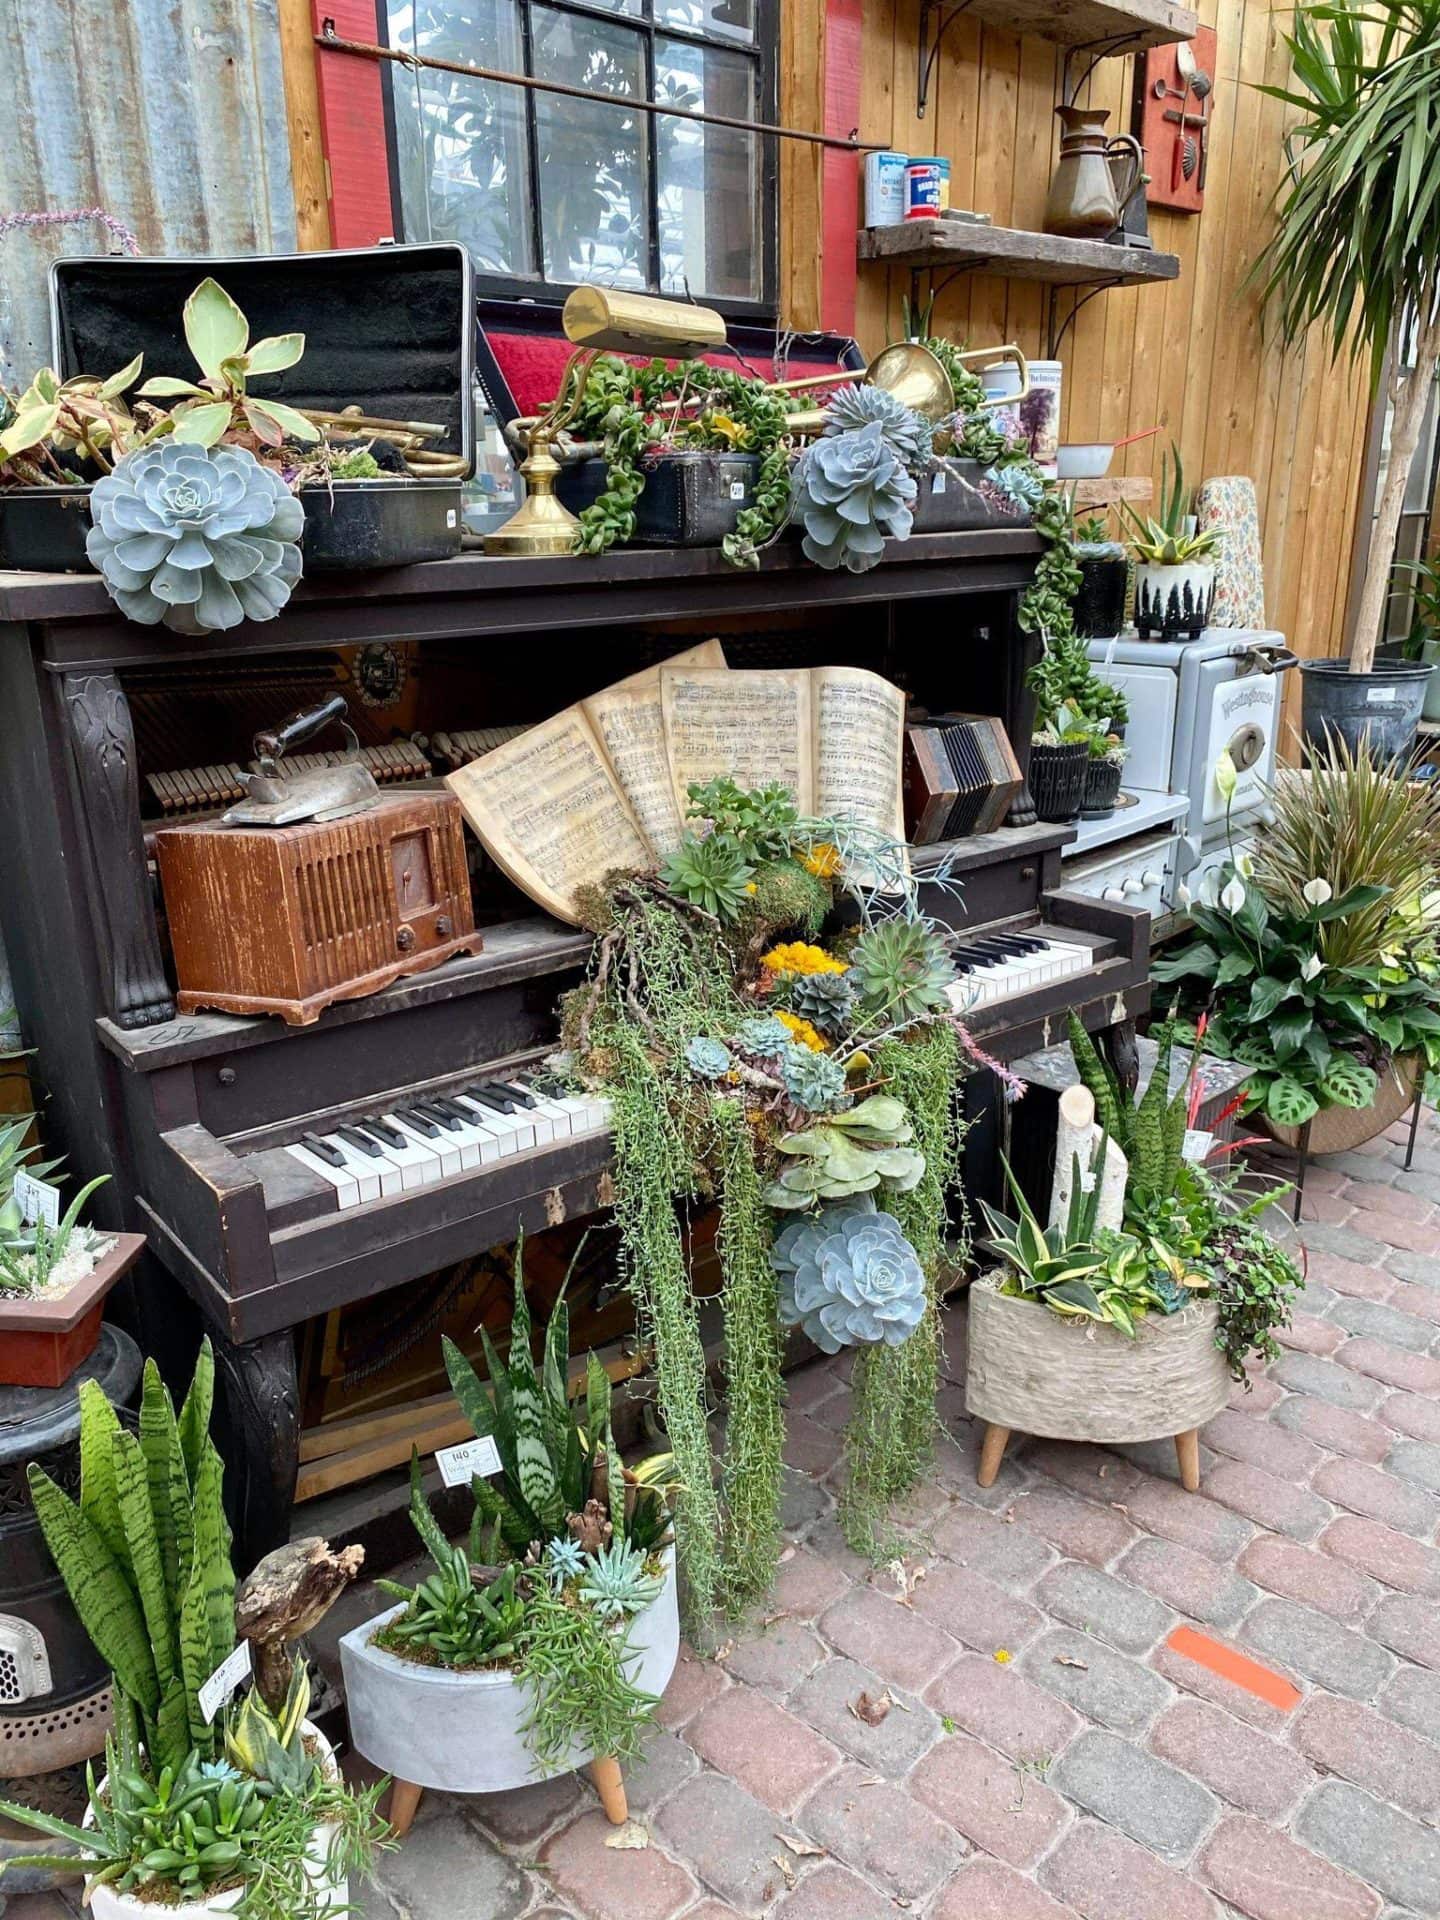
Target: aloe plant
(25,1269)
(1169,539)
(145,1557)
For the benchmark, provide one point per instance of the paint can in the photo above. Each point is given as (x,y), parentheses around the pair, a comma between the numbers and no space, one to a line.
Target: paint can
(884,189)
(927,187)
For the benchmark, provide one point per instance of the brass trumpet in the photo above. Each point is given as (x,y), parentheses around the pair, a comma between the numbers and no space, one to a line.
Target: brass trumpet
(912,373)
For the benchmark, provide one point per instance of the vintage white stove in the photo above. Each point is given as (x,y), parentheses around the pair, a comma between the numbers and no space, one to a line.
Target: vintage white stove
(1189,699)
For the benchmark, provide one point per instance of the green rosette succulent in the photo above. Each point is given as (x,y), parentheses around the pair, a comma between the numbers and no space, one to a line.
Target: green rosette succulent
(712,874)
(902,970)
(825,999)
(708,1059)
(197,538)
(846,1154)
(762,1035)
(849,1277)
(812,1080)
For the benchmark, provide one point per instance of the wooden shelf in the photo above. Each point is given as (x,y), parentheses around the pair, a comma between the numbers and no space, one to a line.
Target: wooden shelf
(1076,23)
(1010,253)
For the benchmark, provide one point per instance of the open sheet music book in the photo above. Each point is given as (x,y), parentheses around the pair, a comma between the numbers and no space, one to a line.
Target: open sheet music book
(604,784)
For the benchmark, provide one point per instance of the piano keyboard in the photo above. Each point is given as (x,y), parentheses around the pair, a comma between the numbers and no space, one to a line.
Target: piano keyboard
(997,965)
(379,1157)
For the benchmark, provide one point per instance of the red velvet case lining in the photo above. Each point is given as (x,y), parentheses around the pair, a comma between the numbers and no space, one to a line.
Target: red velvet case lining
(533,363)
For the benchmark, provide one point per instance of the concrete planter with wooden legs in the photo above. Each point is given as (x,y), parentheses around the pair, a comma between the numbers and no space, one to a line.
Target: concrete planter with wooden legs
(1034,1371)
(463,1732)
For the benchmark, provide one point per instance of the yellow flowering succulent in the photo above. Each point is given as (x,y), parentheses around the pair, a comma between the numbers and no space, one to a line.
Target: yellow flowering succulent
(823,860)
(798,956)
(807,1035)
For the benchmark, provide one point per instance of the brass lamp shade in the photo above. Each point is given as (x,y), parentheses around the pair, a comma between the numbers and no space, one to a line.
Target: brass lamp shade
(616,322)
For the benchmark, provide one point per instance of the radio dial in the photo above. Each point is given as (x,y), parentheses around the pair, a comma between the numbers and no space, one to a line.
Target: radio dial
(1246,745)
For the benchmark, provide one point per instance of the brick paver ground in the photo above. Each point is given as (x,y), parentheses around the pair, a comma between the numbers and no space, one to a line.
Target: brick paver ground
(1047,1754)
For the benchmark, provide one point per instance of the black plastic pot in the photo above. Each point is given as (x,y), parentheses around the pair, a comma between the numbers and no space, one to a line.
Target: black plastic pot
(361,524)
(1100,597)
(953,496)
(43,529)
(1381,707)
(1057,780)
(1102,788)
(691,499)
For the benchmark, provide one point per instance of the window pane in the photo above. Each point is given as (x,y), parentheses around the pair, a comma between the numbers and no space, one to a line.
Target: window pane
(461,142)
(709,177)
(735,19)
(592,158)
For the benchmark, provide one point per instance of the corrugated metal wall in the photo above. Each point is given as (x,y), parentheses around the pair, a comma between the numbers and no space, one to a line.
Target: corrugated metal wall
(169,114)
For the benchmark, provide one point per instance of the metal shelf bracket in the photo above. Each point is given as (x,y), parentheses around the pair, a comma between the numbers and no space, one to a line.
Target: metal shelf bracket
(932,11)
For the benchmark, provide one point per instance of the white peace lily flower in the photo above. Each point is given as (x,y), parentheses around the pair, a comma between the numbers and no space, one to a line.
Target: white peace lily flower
(1226,776)
(1245,865)
(1311,967)
(1184,899)
(1232,896)
(1318,891)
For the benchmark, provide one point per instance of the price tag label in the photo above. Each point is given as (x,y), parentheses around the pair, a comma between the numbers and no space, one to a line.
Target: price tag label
(459,1465)
(38,1200)
(1381,696)
(937,484)
(737,489)
(234,1668)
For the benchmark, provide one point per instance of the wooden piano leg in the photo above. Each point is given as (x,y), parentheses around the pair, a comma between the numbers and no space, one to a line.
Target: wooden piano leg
(992,1452)
(404,1799)
(1187,1452)
(260,1440)
(102,743)
(610,1785)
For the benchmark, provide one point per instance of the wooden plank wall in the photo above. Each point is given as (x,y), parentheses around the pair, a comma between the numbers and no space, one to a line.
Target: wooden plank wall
(1188,354)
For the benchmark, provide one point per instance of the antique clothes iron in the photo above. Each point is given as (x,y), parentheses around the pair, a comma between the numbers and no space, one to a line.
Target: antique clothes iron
(314,888)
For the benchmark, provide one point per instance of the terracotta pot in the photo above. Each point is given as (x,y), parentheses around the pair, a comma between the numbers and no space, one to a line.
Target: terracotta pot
(42,1342)
(1336,1129)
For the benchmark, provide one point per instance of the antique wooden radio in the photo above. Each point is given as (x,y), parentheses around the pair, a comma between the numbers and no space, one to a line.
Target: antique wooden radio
(315,888)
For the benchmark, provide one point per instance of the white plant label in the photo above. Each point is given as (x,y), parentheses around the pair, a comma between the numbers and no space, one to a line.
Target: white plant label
(737,489)
(234,1668)
(1381,696)
(38,1200)
(937,484)
(451,517)
(459,1465)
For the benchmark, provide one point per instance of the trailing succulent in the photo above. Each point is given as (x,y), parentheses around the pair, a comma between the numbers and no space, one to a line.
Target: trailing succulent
(849,1277)
(198,539)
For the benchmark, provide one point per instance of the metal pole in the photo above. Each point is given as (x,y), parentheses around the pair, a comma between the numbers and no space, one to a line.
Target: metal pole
(370,50)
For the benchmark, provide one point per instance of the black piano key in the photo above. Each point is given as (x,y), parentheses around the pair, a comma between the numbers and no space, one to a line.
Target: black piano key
(1012,943)
(490,1096)
(361,1140)
(422,1123)
(432,1110)
(517,1091)
(453,1108)
(976,956)
(323,1148)
(383,1131)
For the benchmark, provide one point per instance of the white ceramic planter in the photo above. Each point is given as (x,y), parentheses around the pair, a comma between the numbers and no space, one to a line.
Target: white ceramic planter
(1170,600)
(106,1904)
(462,1731)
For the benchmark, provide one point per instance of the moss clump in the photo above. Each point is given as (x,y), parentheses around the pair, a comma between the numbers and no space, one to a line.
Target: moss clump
(787,895)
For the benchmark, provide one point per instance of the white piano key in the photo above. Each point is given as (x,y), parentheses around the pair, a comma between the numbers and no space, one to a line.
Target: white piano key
(447,1151)
(496,1141)
(376,1177)
(419,1167)
(347,1189)
(514,1134)
(549,1119)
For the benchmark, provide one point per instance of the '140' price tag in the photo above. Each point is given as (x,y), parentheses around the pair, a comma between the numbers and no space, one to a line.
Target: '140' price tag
(459,1465)
(234,1668)
(37,1199)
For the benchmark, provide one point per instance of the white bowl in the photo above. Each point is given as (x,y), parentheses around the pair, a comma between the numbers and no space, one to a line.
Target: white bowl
(1084,463)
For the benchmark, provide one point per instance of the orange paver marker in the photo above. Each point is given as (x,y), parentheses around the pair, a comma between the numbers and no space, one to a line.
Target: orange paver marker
(1235,1667)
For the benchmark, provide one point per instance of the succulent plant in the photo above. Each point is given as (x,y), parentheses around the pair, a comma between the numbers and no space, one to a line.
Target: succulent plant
(564,1560)
(709,1059)
(812,1080)
(618,1583)
(825,999)
(762,1035)
(850,1153)
(850,1278)
(906,432)
(852,493)
(198,539)
(712,874)
(902,970)
(270,1746)
(1021,485)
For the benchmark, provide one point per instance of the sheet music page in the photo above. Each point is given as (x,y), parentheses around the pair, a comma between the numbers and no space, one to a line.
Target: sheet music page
(752,724)
(547,811)
(630,727)
(859,749)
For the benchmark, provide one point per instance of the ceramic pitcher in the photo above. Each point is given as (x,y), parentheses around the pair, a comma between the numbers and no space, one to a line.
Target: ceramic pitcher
(1083,201)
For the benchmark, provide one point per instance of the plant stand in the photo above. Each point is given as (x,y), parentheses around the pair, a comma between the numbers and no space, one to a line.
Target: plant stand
(1338,1129)
(609,1782)
(1031,1371)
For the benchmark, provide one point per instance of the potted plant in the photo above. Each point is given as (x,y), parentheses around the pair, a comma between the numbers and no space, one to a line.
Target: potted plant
(53,1280)
(1129,1330)
(243,1813)
(1104,580)
(1060,762)
(1423,640)
(1356,250)
(1103,772)
(1317,964)
(1174,571)
(544,1643)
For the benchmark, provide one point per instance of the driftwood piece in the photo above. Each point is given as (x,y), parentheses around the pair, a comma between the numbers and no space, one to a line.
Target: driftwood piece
(288,1593)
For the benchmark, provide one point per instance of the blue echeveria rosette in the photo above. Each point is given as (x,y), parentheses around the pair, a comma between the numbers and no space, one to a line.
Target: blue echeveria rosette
(849,1277)
(852,493)
(198,538)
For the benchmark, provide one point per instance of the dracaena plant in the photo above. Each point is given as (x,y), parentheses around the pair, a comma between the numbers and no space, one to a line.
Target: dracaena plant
(218,335)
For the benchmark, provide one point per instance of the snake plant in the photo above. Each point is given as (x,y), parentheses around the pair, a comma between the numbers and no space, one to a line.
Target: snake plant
(145,1557)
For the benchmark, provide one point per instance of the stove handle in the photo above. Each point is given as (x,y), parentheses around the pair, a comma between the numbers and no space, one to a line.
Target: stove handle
(1266,656)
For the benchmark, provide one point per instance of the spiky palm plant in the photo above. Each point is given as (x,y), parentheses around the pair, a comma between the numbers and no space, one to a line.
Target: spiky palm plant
(1356,247)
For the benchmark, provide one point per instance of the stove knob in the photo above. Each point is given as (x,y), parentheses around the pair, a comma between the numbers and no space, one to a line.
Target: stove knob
(1152,879)
(1246,745)
(1131,885)
(1112,893)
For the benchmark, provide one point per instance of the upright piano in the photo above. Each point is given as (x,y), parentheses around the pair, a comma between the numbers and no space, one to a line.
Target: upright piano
(111,728)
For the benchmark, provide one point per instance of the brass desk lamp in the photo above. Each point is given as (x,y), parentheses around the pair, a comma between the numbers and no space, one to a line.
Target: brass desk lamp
(596,320)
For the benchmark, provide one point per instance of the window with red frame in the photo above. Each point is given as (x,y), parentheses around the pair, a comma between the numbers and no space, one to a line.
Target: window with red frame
(545,190)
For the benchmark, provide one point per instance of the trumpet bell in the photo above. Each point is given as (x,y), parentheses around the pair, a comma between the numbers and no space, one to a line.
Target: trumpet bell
(908,370)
